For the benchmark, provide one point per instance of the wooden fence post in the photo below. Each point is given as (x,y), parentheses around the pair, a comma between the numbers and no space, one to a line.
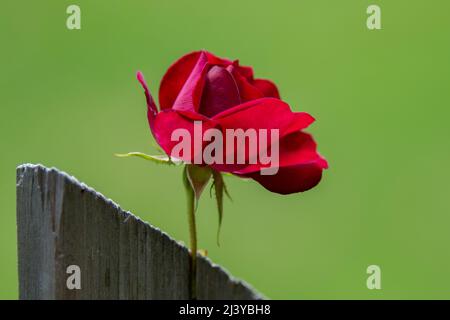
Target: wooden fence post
(62,222)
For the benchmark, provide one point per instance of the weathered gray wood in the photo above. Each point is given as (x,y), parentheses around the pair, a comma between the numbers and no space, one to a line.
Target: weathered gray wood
(63,222)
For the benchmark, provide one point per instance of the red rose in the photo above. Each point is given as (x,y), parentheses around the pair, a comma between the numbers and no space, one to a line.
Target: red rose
(221,94)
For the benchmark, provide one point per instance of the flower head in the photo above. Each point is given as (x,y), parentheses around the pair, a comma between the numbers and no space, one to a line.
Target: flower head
(203,94)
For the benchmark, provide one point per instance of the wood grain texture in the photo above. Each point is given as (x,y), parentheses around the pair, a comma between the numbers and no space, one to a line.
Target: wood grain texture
(62,222)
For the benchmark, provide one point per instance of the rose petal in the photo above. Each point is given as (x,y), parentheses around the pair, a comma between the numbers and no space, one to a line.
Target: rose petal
(291,179)
(267,87)
(174,79)
(264,113)
(299,168)
(245,71)
(220,92)
(247,91)
(294,149)
(168,121)
(188,98)
(152,110)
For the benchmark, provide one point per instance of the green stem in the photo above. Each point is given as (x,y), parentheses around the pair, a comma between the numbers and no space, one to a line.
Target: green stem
(193,239)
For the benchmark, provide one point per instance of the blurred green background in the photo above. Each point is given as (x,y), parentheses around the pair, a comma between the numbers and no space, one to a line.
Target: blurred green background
(70,99)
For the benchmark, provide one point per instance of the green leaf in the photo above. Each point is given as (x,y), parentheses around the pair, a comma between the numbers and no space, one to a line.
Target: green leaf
(159,159)
(219,188)
(225,189)
(198,177)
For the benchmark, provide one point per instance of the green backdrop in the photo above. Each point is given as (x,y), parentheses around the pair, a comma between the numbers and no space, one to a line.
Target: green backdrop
(70,99)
